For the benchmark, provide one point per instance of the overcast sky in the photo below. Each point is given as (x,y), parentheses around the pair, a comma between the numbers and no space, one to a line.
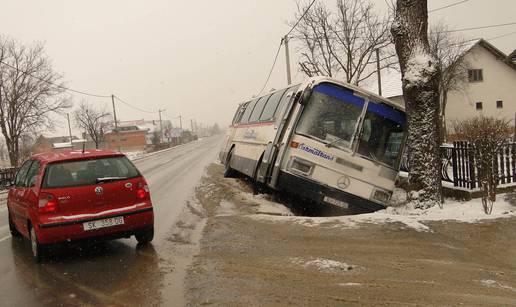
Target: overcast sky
(194,58)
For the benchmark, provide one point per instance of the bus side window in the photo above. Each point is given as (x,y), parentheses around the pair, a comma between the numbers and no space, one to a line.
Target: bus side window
(238,114)
(285,99)
(235,117)
(258,109)
(272,104)
(248,110)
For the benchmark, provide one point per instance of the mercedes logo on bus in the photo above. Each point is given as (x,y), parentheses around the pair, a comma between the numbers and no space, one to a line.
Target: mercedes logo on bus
(343,182)
(99,190)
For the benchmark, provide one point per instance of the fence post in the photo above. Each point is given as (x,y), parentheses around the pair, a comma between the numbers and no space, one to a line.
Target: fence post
(513,161)
(499,161)
(471,154)
(508,164)
(454,165)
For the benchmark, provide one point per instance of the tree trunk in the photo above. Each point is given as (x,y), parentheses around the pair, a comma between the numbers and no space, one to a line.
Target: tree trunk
(12,148)
(421,93)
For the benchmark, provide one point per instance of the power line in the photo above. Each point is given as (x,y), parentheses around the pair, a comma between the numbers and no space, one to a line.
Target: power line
(300,18)
(500,36)
(447,6)
(135,107)
(482,27)
(272,67)
(281,43)
(54,84)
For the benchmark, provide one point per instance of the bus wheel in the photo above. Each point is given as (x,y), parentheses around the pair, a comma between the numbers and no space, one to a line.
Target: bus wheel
(228,171)
(258,187)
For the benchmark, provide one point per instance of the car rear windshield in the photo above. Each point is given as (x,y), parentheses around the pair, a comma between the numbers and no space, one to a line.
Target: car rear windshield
(88,172)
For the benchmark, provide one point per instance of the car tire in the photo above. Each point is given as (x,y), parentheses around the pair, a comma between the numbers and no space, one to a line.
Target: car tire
(228,171)
(145,236)
(12,227)
(36,248)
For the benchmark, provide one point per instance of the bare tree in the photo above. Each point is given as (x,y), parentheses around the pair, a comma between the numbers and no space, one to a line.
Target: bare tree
(420,79)
(28,93)
(449,50)
(92,120)
(342,42)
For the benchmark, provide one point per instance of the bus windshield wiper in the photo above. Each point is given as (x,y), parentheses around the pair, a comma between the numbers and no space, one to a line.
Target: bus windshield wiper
(332,143)
(107,179)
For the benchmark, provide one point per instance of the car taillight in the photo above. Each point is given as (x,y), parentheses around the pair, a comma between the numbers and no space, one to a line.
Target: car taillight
(143,190)
(47,203)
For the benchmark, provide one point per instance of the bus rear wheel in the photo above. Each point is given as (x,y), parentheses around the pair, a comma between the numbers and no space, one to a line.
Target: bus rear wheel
(258,187)
(228,171)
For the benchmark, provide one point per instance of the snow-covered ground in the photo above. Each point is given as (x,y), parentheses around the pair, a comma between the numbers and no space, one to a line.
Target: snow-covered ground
(467,212)
(134,155)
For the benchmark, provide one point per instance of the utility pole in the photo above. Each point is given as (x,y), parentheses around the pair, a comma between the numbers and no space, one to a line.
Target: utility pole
(69,129)
(161,124)
(287,55)
(116,123)
(379,72)
(191,123)
(114,112)
(180,123)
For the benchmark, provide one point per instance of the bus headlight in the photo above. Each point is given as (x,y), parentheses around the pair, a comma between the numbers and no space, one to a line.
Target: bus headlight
(301,166)
(381,196)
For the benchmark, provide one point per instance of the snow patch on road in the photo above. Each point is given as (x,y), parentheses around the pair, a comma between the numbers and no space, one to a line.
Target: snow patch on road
(496,284)
(265,205)
(466,212)
(326,265)
(226,208)
(350,284)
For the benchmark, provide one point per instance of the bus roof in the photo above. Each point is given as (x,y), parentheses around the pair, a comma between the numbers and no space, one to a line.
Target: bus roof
(313,81)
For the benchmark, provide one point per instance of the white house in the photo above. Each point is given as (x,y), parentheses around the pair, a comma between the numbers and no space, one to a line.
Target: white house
(490,89)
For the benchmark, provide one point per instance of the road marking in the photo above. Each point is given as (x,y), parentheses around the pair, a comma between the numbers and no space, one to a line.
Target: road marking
(5,238)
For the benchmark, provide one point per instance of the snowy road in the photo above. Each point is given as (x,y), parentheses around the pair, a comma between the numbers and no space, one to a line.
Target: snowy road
(111,273)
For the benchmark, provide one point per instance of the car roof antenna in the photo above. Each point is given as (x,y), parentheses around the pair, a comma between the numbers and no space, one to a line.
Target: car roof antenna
(83,145)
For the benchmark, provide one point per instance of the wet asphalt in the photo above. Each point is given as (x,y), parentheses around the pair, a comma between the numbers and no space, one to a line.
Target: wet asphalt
(114,273)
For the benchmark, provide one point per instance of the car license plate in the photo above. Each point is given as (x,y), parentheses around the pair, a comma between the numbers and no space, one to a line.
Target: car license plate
(119,220)
(336,202)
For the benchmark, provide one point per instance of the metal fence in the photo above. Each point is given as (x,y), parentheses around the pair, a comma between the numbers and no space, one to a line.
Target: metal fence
(7,175)
(458,165)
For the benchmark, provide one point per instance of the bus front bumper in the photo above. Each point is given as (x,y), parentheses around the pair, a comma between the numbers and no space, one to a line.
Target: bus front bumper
(324,195)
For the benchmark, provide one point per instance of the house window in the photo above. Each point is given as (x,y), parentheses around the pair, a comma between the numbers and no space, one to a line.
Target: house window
(475,75)
(499,104)
(479,106)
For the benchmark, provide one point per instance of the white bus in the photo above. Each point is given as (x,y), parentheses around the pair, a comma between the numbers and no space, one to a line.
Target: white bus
(324,140)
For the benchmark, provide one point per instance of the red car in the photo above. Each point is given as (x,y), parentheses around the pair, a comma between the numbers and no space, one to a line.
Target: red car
(74,195)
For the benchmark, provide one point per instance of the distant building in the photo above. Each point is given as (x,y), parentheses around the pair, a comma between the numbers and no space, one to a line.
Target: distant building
(150,127)
(490,89)
(47,144)
(127,138)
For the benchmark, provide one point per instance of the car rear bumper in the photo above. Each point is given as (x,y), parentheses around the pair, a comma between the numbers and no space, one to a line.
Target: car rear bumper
(72,230)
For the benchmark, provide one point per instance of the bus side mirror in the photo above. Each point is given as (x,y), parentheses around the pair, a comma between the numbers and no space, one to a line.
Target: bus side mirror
(305,96)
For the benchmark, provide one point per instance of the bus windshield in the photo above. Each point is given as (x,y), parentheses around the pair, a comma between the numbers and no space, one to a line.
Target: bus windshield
(382,134)
(331,115)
